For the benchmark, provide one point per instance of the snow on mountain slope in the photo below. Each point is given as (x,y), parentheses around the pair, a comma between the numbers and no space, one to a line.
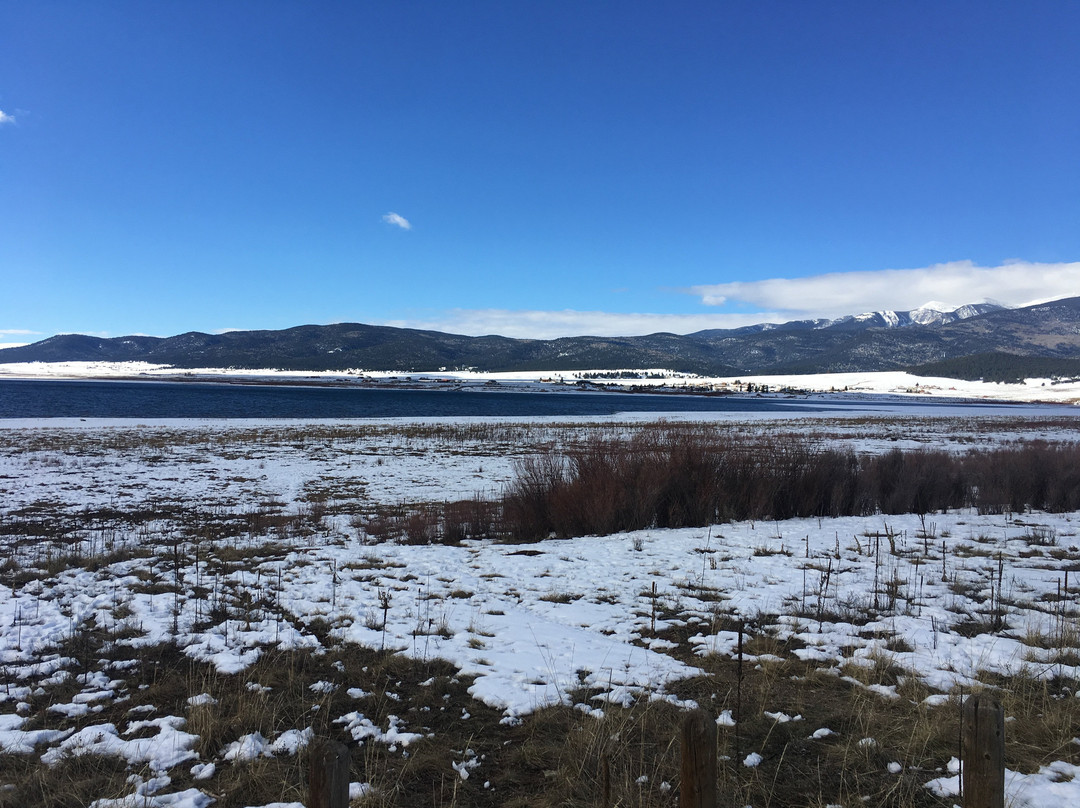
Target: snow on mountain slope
(931,313)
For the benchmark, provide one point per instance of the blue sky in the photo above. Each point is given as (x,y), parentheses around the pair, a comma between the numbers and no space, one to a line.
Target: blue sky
(530,169)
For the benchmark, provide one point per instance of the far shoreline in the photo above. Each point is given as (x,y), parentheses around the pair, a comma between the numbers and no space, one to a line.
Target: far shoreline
(843,386)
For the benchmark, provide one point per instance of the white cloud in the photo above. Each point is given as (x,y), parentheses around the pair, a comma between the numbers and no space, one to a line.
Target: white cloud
(397,220)
(530,324)
(778,300)
(1014,283)
(5,118)
(16,332)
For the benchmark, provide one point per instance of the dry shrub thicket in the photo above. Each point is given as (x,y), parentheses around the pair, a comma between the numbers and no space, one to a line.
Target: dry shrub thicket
(674,478)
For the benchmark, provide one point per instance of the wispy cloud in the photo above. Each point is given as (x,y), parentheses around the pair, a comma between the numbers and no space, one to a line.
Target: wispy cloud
(1014,283)
(531,324)
(397,220)
(16,332)
(5,118)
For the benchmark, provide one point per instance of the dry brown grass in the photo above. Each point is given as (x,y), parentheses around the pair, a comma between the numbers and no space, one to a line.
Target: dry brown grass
(556,756)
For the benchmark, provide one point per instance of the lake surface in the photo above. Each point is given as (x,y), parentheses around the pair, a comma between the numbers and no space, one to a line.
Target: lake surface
(117,399)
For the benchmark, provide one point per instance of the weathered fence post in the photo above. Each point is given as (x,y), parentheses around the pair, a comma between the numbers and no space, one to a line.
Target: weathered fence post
(984,753)
(697,788)
(605,781)
(328,775)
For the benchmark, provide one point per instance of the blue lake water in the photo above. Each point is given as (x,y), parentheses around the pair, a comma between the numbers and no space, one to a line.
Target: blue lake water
(121,399)
(108,399)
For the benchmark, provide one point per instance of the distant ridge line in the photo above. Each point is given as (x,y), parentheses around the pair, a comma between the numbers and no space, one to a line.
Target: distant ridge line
(874,341)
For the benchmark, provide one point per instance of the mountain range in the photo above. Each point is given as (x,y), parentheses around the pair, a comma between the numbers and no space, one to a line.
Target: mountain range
(884,340)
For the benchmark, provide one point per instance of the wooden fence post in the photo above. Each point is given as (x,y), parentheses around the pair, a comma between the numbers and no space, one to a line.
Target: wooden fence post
(328,775)
(984,753)
(697,787)
(605,781)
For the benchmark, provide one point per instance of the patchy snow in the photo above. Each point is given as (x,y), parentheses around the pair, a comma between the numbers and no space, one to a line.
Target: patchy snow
(362,728)
(1055,784)
(144,796)
(530,626)
(169,747)
(782,718)
(248,747)
(15,740)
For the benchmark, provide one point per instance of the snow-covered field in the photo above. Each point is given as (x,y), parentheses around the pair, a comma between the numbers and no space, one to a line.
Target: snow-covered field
(233,539)
(890,382)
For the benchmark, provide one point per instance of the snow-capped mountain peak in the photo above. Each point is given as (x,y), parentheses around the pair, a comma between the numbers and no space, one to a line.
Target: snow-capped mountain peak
(931,313)
(936,305)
